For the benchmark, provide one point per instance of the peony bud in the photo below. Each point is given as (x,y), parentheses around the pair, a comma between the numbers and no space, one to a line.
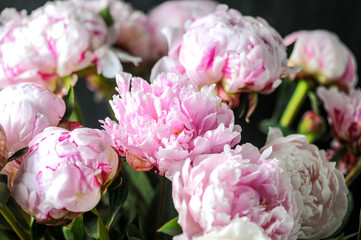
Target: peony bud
(178,15)
(64,174)
(323,57)
(312,125)
(343,112)
(26,110)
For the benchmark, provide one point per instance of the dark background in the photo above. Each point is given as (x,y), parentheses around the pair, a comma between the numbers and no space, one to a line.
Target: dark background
(286,16)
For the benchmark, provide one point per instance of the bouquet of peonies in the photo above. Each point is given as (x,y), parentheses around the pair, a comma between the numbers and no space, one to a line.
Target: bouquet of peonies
(168,161)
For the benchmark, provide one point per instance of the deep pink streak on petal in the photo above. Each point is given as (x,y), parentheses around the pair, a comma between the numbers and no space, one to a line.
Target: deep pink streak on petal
(82,56)
(93,22)
(52,46)
(34,147)
(227,70)
(98,33)
(208,58)
(82,177)
(64,137)
(92,148)
(50,168)
(105,171)
(46,76)
(9,35)
(55,20)
(38,176)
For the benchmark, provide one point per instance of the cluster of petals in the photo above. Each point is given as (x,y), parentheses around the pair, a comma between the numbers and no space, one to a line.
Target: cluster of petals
(344,115)
(315,180)
(130,31)
(64,173)
(218,188)
(241,53)
(323,57)
(56,40)
(176,14)
(163,123)
(26,110)
(4,148)
(238,229)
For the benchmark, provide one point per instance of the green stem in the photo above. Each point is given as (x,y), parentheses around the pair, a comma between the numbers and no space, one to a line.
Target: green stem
(10,218)
(295,102)
(354,173)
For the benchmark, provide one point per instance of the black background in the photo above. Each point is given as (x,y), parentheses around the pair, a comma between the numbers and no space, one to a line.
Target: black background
(286,16)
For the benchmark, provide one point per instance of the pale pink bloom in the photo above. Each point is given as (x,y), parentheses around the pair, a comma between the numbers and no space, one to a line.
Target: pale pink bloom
(323,57)
(26,110)
(64,174)
(240,52)
(319,185)
(176,14)
(24,53)
(162,124)
(218,188)
(4,148)
(344,116)
(72,34)
(238,229)
(130,31)
(55,41)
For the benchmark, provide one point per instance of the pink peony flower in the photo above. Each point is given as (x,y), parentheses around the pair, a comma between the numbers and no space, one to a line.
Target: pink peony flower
(26,110)
(238,229)
(344,115)
(324,57)
(24,52)
(64,173)
(4,148)
(130,31)
(176,14)
(55,41)
(162,124)
(72,34)
(240,52)
(218,188)
(316,181)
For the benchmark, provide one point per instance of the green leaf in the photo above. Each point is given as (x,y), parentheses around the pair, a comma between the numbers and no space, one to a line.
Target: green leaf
(140,182)
(4,194)
(20,153)
(90,221)
(290,48)
(107,17)
(134,232)
(171,228)
(69,104)
(75,230)
(94,226)
(103,231)
(117,192)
